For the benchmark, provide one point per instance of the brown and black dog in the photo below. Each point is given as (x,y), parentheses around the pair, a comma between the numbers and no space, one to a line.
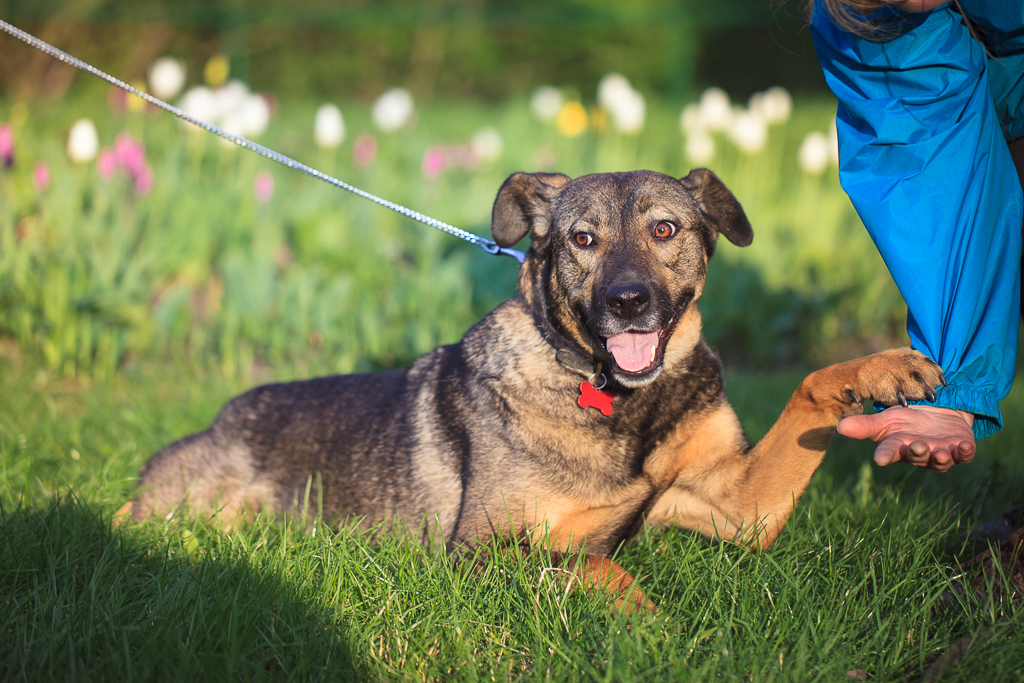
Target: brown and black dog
(488,436)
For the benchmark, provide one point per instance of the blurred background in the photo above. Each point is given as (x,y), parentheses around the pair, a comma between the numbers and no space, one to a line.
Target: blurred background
(126,235)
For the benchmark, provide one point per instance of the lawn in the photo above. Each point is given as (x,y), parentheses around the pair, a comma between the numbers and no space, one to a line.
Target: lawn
(854,582)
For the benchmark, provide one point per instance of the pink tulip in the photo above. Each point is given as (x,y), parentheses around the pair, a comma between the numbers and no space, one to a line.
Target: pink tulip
(365,149)
(434,162)
(143,180)
(127,155)
(6,146)
(131,155)
(263,188)
(106,164)
(41,176)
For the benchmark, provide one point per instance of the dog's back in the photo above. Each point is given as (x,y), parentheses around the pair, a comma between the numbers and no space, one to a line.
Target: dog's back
(343,444)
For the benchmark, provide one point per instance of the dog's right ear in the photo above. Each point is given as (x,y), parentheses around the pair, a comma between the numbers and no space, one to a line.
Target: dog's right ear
(524,205)
(720,207)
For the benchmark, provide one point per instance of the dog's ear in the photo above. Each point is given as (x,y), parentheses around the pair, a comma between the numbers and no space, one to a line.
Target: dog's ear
(720,208)
(524,204)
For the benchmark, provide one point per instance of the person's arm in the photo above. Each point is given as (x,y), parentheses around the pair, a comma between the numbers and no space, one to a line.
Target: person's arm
(925,164)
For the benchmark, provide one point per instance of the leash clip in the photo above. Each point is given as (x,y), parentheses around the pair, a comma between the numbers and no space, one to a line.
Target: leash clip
(493,249)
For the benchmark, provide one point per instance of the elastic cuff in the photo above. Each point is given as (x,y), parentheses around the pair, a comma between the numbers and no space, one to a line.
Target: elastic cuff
(988,419)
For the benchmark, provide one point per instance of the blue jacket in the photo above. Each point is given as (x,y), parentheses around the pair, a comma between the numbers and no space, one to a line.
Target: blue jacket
(924,119)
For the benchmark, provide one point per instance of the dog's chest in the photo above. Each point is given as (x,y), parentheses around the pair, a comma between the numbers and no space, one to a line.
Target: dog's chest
(586,481)
(606,513)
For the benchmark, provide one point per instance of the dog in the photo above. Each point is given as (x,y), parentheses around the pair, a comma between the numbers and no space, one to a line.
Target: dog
(582,409)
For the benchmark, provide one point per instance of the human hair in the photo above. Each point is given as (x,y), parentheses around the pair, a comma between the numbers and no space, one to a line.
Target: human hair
(855,16)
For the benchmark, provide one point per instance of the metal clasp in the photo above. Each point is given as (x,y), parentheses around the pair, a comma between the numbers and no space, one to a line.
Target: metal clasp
(493,249)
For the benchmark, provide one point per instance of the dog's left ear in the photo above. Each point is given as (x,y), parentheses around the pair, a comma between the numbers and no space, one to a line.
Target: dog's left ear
(720,208)
(524,204)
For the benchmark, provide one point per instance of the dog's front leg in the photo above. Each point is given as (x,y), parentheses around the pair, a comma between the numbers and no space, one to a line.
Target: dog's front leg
(571,571)
(597,572)
(748,495)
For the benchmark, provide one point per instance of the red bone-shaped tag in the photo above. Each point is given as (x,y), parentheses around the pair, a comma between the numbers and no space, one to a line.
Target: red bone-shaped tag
(595,398)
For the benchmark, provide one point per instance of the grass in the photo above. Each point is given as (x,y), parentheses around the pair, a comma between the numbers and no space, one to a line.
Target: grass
(853,583)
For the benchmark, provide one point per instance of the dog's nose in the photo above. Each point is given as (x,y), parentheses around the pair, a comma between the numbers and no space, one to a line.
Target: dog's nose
(628,301)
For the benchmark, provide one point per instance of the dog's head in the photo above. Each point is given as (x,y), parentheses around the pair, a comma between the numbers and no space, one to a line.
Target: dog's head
(617,258)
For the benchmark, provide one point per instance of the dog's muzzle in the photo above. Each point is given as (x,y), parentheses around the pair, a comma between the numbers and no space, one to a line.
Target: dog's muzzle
(638,350)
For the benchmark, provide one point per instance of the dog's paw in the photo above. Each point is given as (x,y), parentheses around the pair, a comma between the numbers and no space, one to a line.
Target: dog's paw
(893,377)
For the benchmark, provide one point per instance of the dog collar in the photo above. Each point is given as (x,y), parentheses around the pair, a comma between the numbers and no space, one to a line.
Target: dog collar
(592,390)
(583,365)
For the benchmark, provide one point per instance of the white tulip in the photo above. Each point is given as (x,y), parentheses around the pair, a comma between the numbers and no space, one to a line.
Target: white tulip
(749,131)
(200,103)
(232,124)
(757,103)
(626,106)
(83,142)
(700,147)
(814,153)
(715,109)
(629,113)
(612,89)
(255,115)
(393,109)
(690,120)
(776,105)
(166,77)
(487,144)
(329,127)
(546,102)
(229,99)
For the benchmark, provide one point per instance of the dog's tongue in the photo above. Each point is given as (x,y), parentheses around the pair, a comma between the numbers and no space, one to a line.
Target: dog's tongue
(633,351)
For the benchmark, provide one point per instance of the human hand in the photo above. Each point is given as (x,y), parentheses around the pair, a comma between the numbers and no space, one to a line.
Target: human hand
(924,436)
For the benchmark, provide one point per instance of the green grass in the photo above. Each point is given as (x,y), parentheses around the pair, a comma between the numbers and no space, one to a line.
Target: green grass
(853,582)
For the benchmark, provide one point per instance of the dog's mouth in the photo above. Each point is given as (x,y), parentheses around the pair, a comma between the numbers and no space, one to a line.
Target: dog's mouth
(638,354)
(635,352)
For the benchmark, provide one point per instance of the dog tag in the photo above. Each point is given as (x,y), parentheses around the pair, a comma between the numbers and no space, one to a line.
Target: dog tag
(595,398)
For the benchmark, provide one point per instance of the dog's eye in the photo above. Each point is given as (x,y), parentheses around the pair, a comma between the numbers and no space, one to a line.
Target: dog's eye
(664,230)
(584,239)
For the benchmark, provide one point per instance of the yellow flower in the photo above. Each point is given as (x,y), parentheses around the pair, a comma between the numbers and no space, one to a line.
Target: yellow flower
(133,103)
(572,119)
(216,71)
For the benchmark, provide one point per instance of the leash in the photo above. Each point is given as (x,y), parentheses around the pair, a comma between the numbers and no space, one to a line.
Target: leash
(487,245)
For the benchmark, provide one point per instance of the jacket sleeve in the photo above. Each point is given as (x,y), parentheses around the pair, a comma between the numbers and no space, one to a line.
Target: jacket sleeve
(925,164)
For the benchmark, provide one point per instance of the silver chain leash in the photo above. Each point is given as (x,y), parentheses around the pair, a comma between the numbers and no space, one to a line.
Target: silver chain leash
(487,245)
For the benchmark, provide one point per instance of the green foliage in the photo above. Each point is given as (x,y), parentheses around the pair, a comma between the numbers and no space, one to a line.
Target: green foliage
(489,49)
(91,273)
